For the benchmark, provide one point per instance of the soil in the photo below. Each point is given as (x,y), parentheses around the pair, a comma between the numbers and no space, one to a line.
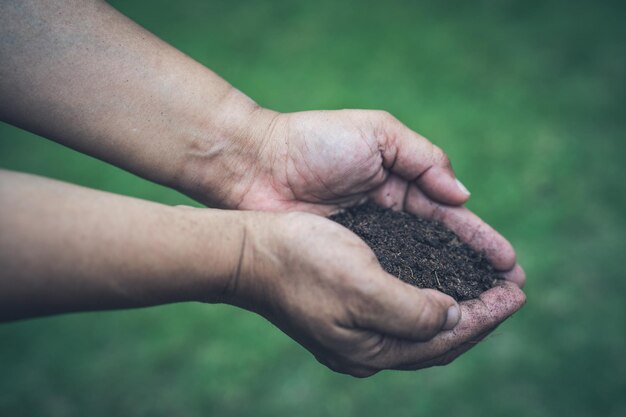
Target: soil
(420,252)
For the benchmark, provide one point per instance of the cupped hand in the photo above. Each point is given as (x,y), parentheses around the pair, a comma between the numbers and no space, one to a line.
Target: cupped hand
(321,161)
(322,285)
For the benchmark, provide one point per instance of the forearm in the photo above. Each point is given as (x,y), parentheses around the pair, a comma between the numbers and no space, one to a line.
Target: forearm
(82,74)
(66,248)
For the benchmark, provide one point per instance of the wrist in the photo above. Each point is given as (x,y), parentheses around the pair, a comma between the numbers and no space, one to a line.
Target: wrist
(254,280)
(210,244)
(220,164)
(235,257)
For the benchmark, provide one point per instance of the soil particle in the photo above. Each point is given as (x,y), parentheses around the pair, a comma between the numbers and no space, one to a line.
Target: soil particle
(420,252)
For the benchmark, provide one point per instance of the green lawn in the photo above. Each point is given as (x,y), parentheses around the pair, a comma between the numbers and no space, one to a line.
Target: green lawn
(527,97)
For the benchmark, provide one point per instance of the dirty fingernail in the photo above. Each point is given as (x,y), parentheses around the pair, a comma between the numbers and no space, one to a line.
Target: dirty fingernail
(454,315)
(462,187)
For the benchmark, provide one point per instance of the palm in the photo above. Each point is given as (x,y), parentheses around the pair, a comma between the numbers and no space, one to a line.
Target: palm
(326,160)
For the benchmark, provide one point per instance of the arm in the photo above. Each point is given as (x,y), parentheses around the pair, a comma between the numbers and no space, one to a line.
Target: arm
(82,74)
(66,248)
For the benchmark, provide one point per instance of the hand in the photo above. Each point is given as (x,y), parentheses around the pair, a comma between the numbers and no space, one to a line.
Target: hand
(322,285)
(320,161)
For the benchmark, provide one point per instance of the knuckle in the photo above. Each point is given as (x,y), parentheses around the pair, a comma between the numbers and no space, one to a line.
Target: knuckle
(386,117)
(382,353)
(430,320)
(440,157)
(373,350)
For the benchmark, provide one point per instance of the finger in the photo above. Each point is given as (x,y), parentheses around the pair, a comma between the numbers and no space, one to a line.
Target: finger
(469,227)
(451,355)
(391,193)
(416,159)
(478,317)
(404,311)
(516,276)
(486,312)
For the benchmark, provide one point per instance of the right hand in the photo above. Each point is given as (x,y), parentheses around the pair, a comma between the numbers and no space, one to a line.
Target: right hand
(323,286)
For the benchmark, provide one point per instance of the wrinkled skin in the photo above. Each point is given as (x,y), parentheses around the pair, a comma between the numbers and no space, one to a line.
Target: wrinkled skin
(328,291)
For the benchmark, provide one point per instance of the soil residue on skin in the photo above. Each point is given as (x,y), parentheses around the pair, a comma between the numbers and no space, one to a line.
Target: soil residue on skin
(420,252)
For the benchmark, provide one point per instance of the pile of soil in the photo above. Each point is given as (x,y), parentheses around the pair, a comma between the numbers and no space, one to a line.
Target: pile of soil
(420,252)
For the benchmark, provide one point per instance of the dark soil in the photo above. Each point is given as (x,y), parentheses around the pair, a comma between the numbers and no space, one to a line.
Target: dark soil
(420,252)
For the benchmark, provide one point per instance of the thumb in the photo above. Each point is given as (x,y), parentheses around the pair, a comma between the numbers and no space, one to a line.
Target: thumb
(406,312)
(416,159)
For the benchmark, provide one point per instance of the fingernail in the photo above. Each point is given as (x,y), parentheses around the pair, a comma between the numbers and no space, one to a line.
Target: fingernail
(462,187)
(454,315)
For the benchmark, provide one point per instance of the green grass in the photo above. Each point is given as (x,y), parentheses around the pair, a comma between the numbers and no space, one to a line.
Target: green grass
(527,97)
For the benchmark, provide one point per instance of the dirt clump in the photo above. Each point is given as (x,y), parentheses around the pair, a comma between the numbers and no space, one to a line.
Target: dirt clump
(420,252)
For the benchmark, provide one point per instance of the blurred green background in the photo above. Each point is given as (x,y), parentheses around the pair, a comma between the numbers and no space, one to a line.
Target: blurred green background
(527,97)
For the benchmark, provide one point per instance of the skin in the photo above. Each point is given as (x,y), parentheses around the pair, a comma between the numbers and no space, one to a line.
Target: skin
(66,248)
(80,73)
